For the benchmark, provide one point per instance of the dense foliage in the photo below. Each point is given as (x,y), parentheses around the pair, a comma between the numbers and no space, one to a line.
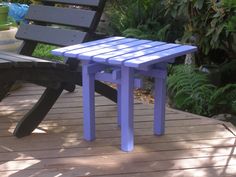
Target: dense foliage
(143,19)
(191,91)
(209,24)
(44,51)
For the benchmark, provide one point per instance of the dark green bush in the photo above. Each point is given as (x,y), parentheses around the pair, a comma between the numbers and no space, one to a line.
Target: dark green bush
(211,25)
(143,19)
(189,90)
(228,72)
(44,51)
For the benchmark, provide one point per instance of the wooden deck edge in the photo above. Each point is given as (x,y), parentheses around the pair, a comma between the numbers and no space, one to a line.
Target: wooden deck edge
(194,115)
(230,127)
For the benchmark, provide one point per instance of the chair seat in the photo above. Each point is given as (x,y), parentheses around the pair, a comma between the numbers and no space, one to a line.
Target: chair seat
(8,60)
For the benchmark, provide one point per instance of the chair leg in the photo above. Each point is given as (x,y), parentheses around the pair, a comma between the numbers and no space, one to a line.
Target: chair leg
(106,91)
(159,106)
(4,89)
(119,105)
(33,118)
(88,104)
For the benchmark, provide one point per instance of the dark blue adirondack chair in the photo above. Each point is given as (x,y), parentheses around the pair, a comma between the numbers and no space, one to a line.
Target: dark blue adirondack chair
(73,22)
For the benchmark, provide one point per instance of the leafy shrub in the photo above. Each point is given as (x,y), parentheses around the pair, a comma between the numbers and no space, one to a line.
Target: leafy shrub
(143,32)
(189,90)
(223,99)
(233,107)
(143,19)
(228,72)
(209,24)
(44,51)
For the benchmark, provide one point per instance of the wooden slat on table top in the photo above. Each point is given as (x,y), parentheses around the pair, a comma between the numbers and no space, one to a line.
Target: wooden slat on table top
(118,53)
(61,51)
(129,56)
(160,56)
(114,45)
(128,51)
(107,50)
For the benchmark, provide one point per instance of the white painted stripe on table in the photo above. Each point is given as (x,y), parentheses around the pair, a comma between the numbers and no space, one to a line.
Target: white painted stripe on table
(157,57)
(77,52)
(90,55)
(104,57)
(120,59)
(61,51)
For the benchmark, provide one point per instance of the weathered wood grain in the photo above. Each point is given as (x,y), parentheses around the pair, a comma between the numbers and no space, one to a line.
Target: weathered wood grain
(193,146)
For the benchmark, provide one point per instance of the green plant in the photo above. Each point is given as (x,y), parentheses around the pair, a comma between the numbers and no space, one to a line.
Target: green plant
(157,33)
(191,91)
(231,22)
(44,51)
(143,19)
(210,24)
(228,73)
(223,99)
(4,24)
(233,107)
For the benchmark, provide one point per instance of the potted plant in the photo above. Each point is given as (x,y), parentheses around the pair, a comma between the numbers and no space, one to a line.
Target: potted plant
(8,29)
(4,24)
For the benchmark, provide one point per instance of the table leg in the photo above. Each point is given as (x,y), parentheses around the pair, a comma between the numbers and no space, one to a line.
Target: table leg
(127,129)
(118,104)
(88,104)
(159,106)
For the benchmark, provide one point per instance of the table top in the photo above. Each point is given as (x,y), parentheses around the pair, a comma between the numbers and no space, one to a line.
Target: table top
(128,52)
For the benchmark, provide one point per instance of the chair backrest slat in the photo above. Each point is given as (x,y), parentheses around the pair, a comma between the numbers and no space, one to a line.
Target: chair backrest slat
(73,22)
(91,3)
(54,36)
(58,15)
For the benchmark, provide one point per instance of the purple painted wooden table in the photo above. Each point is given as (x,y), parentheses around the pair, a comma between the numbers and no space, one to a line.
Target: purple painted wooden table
(127,57)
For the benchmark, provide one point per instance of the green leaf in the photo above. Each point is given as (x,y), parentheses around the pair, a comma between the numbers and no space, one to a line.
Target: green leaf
(199,4)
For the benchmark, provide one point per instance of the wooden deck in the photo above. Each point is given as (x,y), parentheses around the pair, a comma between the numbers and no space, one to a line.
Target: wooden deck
(192,145)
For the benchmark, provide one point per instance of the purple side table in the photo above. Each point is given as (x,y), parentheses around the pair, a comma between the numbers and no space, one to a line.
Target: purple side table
(127,57)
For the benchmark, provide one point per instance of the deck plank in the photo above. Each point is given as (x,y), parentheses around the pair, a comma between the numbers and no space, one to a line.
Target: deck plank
(192,146)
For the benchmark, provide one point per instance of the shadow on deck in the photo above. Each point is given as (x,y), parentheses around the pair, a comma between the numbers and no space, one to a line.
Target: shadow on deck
(192,146)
